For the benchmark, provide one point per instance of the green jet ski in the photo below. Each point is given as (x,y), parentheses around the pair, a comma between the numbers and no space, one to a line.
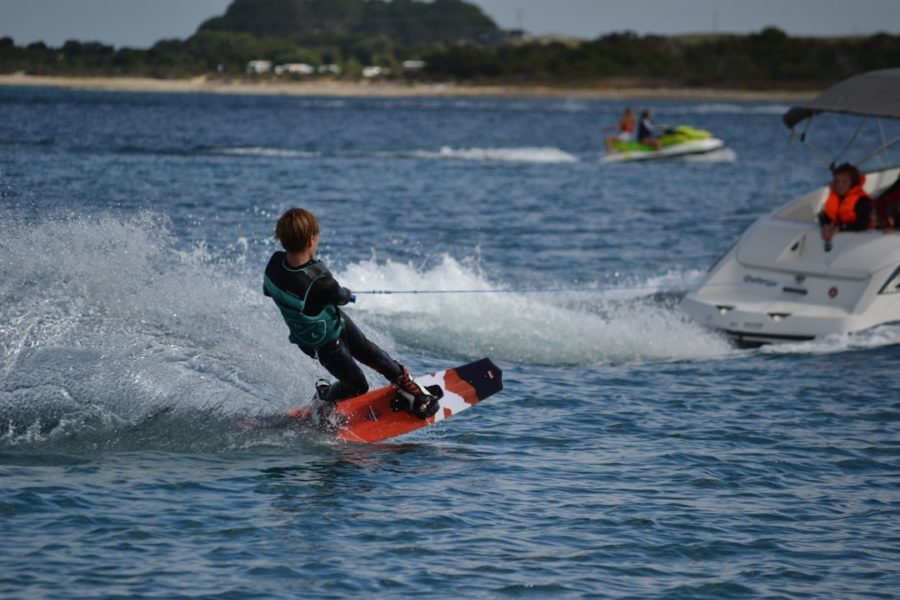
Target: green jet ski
(675,142)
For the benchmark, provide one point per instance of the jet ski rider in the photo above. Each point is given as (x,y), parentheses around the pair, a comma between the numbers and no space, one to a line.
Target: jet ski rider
(647,131)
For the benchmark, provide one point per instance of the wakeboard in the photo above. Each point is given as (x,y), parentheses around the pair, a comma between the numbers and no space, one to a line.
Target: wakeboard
(375,416)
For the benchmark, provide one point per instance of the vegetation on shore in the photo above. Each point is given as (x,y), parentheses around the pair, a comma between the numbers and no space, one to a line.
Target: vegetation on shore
(457,42)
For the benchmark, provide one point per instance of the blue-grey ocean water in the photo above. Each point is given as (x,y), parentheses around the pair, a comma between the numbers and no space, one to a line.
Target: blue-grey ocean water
(632,454)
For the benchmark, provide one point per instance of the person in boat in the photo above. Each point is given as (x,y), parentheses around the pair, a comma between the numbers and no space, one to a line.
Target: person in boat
(848,207)
(888,206)
(647,131)
(309,299)
(623,130)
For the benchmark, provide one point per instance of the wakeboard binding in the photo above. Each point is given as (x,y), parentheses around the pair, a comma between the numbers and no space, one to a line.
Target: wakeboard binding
(422,405)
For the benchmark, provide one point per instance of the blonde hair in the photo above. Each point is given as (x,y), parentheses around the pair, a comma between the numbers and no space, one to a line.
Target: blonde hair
(296,228)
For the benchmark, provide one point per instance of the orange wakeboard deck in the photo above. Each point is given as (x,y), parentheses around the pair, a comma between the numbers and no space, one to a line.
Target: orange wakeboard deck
(370,418)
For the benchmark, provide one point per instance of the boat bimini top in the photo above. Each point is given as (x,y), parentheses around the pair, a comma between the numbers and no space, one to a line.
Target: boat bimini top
(873,94)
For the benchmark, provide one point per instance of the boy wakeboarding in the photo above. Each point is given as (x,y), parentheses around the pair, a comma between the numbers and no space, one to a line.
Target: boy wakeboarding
(309,298)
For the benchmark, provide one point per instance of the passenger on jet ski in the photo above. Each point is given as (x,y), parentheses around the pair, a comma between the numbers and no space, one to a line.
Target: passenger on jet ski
(623,130)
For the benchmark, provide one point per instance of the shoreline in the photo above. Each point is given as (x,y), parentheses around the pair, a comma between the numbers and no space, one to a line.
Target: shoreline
(384,89)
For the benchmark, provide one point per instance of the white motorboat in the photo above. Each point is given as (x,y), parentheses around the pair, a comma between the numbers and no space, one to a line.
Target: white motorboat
(780,282)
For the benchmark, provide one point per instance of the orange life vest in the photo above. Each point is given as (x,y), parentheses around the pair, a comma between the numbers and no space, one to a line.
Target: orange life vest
(626,125)
(842,211)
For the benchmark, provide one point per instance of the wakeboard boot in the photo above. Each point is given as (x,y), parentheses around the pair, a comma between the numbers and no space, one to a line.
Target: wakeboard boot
(412,398)
(323,387)
(323,404)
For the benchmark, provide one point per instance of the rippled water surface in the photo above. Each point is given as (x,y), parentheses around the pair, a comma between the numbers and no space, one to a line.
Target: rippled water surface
(631,454)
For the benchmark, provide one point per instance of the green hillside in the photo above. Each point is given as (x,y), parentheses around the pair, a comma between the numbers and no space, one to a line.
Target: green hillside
(404,22)
(454,41)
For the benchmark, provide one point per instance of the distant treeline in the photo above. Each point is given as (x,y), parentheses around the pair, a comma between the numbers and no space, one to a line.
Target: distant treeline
(766,59)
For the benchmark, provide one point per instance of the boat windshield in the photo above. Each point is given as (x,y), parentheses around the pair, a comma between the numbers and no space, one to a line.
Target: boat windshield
(867,142)
(855,121)
(827,139)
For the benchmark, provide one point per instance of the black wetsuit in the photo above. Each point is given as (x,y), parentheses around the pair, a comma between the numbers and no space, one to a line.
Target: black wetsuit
(646,129)
(338,356)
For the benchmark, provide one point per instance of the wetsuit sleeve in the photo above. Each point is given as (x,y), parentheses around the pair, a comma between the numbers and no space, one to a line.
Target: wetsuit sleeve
(338,293)
(323,292)
(824,219)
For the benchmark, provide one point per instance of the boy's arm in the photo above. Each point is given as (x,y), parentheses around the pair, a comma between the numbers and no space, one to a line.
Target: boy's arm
(327,291)
(334,292)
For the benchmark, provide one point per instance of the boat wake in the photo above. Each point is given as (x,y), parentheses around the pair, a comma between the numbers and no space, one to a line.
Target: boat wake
(114,324)
(115,336)
(723,155)
(877,337)
(465,314)
(536,155)
(518,155)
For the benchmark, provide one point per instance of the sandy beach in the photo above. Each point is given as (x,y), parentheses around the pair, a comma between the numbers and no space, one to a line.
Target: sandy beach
(202,84)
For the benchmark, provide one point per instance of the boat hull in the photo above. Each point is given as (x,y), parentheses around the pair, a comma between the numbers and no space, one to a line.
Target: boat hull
(780,284)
